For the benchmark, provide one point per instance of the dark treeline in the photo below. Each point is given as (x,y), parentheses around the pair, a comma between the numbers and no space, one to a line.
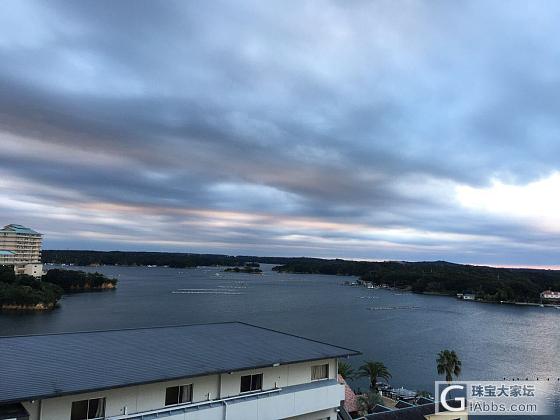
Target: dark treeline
(176,260)
(26,291)
(74,281)
(488,283)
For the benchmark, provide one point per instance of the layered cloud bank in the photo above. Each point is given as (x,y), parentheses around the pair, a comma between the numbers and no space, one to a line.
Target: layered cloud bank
(380,130)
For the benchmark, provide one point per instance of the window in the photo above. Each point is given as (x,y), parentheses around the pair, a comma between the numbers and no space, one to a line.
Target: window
(88,409)
(320,372)
(251,382)
(178,394)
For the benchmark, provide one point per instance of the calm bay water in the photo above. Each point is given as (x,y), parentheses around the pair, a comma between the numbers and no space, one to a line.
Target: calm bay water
(493,341)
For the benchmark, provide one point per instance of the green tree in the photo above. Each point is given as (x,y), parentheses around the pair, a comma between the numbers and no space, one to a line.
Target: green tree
(374,370)
(448,364)
(366,402)
(345,369)
(425,394)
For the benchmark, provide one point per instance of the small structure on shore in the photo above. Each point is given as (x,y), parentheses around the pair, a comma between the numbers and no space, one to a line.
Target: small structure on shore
(550,296)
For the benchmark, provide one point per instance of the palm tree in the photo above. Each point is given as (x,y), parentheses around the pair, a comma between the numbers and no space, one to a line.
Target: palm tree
(448,363)
(374,370)
(345,369)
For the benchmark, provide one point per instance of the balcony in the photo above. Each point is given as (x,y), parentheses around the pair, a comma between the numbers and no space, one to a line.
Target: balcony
(264,405)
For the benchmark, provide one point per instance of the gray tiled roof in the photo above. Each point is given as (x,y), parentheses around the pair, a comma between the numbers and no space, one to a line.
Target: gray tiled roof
(403,404)
(410,413)
(41,366)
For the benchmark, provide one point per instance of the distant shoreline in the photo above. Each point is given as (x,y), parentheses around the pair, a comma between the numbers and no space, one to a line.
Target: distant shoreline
(449,295)
(489,284)
(56,256)
(427,293)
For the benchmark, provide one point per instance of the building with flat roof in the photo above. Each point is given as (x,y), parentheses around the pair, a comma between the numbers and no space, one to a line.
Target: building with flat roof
(20,246)
(193,372)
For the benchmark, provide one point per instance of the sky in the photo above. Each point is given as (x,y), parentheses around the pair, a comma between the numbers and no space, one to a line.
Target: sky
(379,130)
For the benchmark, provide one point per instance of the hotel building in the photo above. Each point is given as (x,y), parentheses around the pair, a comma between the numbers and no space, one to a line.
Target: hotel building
(21,247)
(232,371)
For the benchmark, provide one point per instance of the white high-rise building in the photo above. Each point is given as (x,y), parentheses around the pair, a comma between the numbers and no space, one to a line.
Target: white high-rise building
(21,247)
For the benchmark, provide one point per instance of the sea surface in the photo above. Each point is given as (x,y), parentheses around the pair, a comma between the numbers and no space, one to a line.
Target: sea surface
(403,330)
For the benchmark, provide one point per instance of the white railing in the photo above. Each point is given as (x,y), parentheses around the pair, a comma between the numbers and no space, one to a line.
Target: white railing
(193,405)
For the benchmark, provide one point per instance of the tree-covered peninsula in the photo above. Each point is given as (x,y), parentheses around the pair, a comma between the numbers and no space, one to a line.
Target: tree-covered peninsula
(439,277)
(79,281)
(22,292)
(26,292)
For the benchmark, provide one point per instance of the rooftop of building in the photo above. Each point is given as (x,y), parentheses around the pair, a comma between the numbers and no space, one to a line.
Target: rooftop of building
(19,229)
(43,366)
(417,412)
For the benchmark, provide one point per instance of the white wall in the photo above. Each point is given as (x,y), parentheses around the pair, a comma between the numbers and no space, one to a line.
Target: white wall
(324,414)
(134,398)
(152,396)
(35,270)
(275,377)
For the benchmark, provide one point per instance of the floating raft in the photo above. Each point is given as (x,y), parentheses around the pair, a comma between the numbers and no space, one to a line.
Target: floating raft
(389,308)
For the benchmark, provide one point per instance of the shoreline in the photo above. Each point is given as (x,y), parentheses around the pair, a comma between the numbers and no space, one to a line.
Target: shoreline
(38,307)
(503,302)
(361,283)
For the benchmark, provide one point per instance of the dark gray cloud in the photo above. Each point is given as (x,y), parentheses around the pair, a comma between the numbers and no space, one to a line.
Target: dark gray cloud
(288,128)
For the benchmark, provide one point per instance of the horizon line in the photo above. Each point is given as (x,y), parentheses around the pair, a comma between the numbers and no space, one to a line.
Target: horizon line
(530,267)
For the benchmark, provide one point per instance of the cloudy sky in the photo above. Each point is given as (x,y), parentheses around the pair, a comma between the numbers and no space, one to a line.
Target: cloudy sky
(414,130)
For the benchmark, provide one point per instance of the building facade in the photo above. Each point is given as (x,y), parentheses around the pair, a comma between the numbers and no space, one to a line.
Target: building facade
(231,371)
(21,247)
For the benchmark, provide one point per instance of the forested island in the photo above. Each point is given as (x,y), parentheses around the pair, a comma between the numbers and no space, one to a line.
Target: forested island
(245,269)
(439,277)
(22,292)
